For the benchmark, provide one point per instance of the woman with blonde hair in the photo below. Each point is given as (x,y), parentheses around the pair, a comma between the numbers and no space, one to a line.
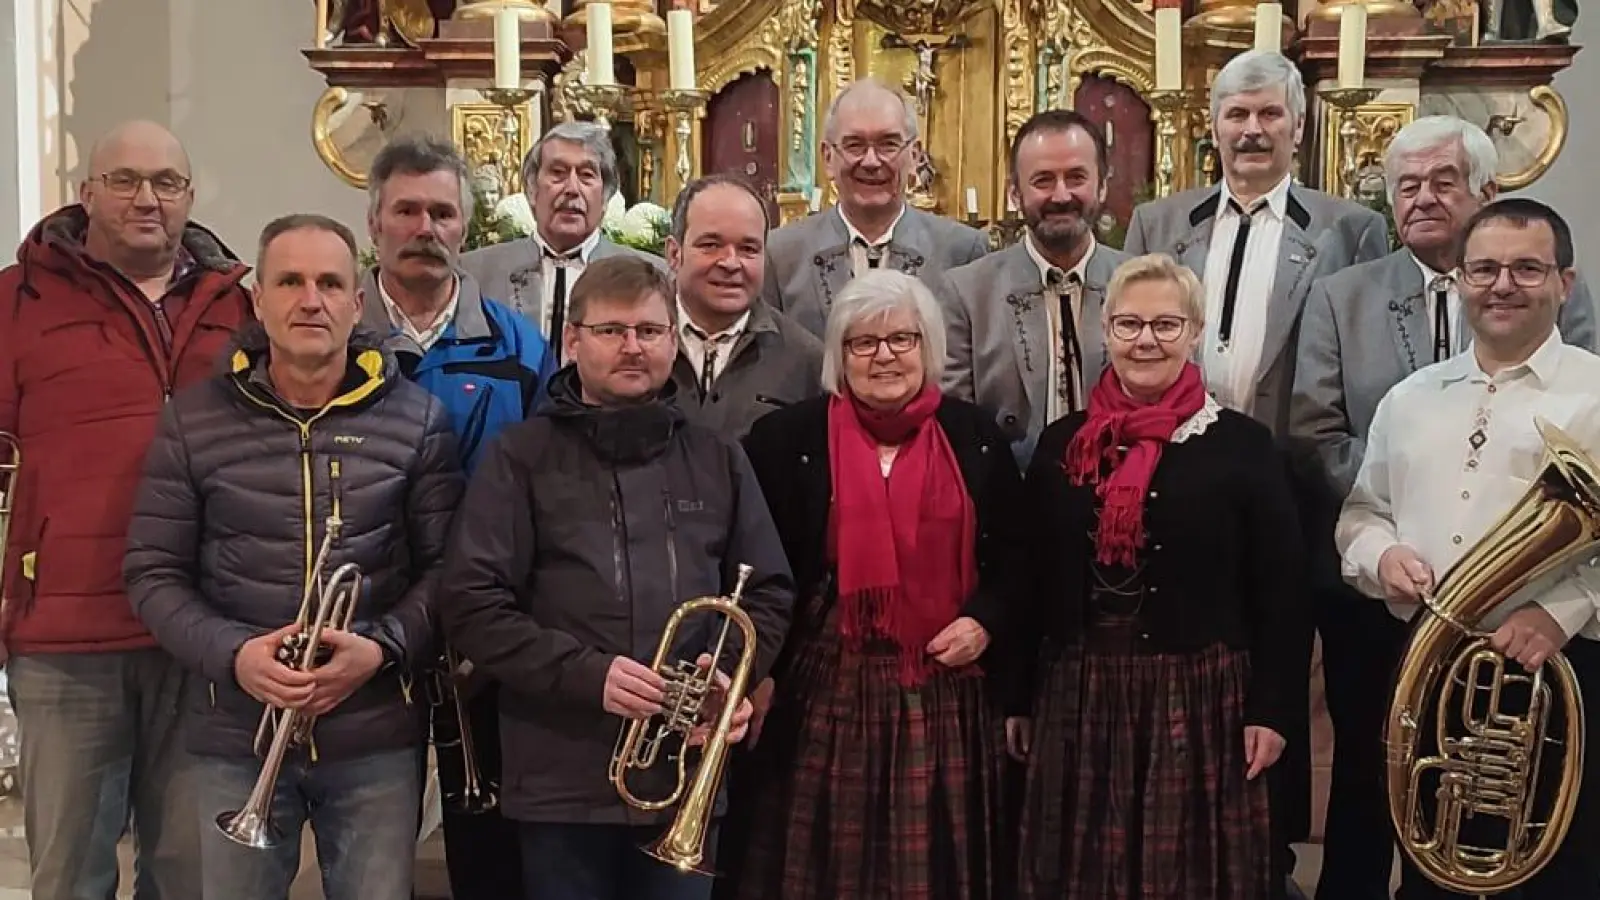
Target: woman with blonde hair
(1170,617)
(878,743)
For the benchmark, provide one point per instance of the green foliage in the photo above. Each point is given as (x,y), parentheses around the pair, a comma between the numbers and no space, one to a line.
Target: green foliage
(1379,203)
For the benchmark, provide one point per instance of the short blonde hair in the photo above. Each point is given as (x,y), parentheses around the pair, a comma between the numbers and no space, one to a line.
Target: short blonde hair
(878,293)
(1158,267)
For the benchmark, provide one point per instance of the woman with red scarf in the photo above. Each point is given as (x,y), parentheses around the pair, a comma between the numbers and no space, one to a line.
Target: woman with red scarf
(1170,619)
(878,746)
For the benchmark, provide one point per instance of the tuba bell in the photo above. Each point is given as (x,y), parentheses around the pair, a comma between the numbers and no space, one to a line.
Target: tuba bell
(639,746)
(322,607)
(1492,722)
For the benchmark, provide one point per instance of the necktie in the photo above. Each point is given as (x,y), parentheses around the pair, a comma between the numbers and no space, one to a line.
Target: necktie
(711,348)
(1066,289)
(1443,346)
(1230,291)
(873,253)
(558,298)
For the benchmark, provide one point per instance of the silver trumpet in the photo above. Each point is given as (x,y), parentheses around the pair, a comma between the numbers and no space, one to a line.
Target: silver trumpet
(333,606)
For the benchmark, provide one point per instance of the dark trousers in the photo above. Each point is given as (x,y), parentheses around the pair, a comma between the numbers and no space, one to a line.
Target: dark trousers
(1574,872)
(1362,643)
(603,862)
(482,851)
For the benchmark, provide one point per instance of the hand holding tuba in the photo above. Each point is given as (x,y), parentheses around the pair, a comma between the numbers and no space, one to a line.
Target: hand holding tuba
(322,606)
(688,687)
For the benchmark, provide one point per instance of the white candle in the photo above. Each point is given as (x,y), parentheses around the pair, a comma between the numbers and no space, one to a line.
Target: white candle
(1169,49)
(602,71)
(1352,46)
(680,49)
(320,40)
(816,199)
(972,202)
(1269,27)
(507,49)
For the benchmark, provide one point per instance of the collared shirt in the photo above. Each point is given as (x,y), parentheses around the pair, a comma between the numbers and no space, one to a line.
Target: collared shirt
(425,338)
(576,260)
(693,340)
(1460,335)
(1060,369)
(1231,365)
(1451,450)
(861,249)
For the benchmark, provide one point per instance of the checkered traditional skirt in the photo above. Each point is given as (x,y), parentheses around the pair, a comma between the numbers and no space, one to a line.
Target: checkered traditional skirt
(861,789)
(1136,784)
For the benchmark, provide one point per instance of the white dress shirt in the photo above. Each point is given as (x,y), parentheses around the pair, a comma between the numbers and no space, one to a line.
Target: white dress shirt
(547,278)
(1460,334)
(1060,369)
(860,247)
(1231,367)
(425,338)
(692,339)
(1451,450)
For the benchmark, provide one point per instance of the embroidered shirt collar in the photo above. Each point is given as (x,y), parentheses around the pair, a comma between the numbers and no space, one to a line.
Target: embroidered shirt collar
(1277,199)
(1046,267)
(1543,365)
(856,235)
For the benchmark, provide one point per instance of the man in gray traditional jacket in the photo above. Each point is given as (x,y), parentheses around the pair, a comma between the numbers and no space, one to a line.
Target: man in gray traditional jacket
(1026,341)
(869,145)
(569,176)
(738,358)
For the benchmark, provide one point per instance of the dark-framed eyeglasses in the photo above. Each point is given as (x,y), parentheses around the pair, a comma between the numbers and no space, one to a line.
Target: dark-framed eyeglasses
(125,183)
(899,342)
(614,333)
(1525,273)
(1165,328)
(855,149)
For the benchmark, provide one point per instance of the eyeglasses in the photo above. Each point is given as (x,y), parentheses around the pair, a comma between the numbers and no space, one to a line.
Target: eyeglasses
(125,183)
(1525,273)
(1166,328)
(887,148)
(868,344)
(614,333)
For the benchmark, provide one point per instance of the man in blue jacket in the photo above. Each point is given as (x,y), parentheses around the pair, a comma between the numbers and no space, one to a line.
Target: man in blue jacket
(483,361)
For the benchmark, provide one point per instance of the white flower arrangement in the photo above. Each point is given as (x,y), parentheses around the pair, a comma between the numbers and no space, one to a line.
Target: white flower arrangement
(645,226)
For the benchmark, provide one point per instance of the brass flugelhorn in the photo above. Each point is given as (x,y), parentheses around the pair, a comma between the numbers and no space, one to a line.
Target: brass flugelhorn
(1489,767)
(10,465)
(322,606)
(687,688)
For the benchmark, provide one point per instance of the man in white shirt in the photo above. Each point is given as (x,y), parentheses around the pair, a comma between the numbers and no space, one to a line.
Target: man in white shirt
(1454,446)
(1365,329)
(738,358)
(569,176)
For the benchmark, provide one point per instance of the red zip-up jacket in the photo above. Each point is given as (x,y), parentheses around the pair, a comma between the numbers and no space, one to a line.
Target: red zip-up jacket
(84,375)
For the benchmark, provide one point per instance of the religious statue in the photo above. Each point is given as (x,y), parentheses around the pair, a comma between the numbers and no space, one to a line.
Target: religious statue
(1528,20)
(361,21)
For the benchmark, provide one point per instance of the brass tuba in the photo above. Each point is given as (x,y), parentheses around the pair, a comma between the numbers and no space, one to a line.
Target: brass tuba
(683,844)
(1490,766)
(322,606)
(10,465)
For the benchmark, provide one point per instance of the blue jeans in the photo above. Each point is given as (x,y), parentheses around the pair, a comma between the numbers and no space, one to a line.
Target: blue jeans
(363,814)
(603,862)
(102,742)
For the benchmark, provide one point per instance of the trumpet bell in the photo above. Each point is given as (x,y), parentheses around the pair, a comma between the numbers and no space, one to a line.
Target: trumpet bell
(687,860)
(248,828)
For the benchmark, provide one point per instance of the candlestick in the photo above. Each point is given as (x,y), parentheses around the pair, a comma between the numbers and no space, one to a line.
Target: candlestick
(507,49)
(602,70)
(972,201)
(1352,47)
(1169,49)
(680,48)
(685,106)
(1165,107)
(1269,27)
(509,152)
(1347,101)
(816,199)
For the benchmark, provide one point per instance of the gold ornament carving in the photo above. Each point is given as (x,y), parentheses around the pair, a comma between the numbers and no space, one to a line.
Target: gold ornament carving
(1017,71)
(327,106)
(1352,159)
(479,130)
(1554,106)
(567,100)
(789,28)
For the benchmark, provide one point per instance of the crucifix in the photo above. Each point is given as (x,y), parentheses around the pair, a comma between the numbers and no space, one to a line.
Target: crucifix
(923,83)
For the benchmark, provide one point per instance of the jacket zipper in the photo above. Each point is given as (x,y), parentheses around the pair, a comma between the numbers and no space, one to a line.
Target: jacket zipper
(158,363)
(619,546)
(672,543)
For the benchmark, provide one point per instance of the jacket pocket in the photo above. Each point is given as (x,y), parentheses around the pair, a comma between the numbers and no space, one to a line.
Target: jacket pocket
(770,400)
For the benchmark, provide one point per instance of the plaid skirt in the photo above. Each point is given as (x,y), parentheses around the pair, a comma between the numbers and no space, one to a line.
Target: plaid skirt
(861,789)
(1136,782)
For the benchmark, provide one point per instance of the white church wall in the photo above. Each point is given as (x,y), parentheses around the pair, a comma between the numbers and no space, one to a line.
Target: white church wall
(1570,186)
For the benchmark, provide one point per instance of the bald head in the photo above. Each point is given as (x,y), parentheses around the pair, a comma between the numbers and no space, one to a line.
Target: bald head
(867,149)
(876,99)
(137,195)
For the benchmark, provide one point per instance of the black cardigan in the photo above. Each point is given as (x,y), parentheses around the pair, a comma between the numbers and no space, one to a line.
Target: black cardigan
(1223,558)
(789,451)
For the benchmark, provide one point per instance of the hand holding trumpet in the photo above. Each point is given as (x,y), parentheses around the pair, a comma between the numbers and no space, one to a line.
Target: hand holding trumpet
(265,677)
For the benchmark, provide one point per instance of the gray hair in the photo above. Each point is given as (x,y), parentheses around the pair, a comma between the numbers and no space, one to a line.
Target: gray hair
(873,295)
(587,135)
(1431,132)
(419,155)
(1256,70)
(830,123)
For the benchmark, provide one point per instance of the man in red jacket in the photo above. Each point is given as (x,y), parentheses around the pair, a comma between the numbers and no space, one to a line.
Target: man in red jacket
(114,304)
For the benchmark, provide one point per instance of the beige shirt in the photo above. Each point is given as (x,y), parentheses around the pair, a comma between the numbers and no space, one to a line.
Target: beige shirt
(425,337)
